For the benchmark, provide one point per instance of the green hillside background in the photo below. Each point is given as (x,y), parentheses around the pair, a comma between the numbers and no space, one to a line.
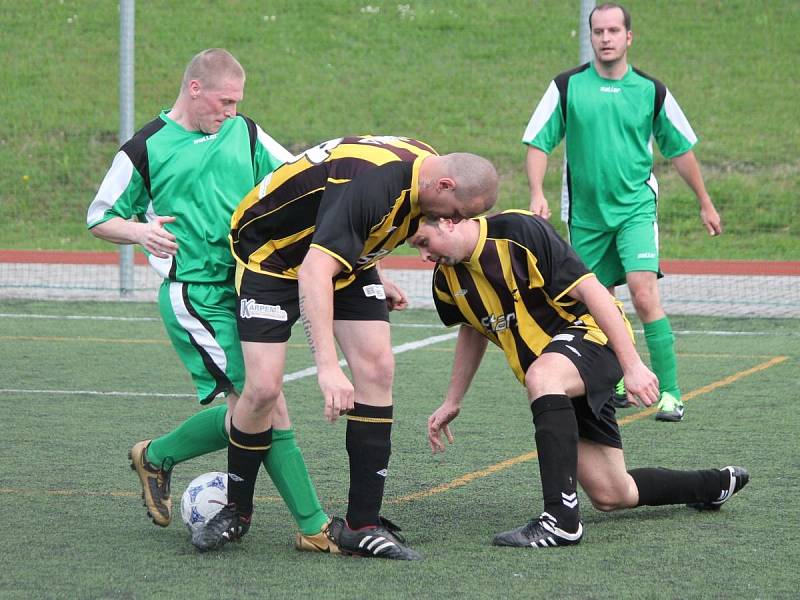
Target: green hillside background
(461,75)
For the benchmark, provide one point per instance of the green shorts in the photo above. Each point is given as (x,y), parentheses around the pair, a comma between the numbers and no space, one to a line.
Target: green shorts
(633,246)
(200,319)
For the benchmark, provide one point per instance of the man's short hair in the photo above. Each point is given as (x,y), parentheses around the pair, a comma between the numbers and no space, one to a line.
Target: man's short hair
(211,67)
(608,5)
(475,176)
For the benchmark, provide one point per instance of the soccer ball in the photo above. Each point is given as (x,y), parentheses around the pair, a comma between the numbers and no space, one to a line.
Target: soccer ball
(204,498)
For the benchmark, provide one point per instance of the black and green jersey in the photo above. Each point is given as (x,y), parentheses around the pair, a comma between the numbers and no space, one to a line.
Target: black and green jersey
(165,170)
(609,126)
(514,288)
(354,198)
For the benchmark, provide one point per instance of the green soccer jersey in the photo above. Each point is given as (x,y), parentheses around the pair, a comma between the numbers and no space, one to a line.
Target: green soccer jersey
(609,127)
(165,170)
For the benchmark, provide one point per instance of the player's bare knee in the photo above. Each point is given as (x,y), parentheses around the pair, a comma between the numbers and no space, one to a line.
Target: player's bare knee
(261,393)
(377,369)
(541,381)
(608,500)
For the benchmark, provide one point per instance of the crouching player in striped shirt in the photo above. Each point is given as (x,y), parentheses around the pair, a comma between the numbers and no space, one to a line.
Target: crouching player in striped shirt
(510,279)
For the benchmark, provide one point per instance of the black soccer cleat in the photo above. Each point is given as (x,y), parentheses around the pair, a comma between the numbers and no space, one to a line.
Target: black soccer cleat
(382,541)
(228,525)
(541,532)
(738,479)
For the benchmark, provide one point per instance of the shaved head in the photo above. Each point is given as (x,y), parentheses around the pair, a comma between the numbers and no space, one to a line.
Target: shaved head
(211,68)
(476,177)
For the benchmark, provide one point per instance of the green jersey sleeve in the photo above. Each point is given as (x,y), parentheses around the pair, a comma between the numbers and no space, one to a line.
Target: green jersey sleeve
(269,154)
(122,193)
(671,129)
(546,127)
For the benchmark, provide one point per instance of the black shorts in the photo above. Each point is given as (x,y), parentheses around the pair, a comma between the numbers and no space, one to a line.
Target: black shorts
(600,371)
(269,306)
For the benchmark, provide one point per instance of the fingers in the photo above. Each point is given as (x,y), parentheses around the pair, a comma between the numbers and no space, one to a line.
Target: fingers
(448,434)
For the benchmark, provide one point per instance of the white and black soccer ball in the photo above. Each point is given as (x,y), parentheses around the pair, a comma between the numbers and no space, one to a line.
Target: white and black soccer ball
(204,497)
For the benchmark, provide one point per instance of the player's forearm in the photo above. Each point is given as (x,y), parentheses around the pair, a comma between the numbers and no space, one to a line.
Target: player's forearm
(470,348)
(316,314)
(119,231)
(536,167)
(689,170)
(602,307)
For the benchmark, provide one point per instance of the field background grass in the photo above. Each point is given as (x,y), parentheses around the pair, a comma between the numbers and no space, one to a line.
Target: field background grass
(459,74)
(74,526)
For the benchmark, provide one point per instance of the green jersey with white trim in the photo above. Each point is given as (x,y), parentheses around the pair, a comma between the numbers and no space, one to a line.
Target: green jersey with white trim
(609,127)
(165,170)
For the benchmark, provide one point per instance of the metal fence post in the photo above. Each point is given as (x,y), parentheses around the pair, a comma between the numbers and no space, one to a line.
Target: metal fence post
(126,96)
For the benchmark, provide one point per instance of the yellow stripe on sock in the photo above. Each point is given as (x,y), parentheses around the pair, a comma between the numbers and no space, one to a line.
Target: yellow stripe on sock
(369,419)
(254,448)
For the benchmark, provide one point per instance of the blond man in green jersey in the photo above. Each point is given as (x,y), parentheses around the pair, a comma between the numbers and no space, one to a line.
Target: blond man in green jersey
(610,112)
(180,177)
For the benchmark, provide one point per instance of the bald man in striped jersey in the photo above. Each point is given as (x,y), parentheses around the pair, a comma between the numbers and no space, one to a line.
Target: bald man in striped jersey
(307,242)
(511,280)
(610,113)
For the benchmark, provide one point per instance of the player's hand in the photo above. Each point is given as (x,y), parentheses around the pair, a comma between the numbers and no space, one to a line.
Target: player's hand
(641,385)
(156,239)
(540,207)
(338,392)
(711,219)
(438,423)
(395,296)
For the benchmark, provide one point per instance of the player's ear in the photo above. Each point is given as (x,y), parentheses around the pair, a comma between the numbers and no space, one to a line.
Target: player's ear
(447,224)
(445,184)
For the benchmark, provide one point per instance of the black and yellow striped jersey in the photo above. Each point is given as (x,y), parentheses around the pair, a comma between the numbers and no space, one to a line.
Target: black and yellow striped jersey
(514,288)
(354,198)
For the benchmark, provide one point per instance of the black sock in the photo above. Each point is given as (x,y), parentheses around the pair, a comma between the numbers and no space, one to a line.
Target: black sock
(246,452)
(369,444)
(658,486)
(557,444)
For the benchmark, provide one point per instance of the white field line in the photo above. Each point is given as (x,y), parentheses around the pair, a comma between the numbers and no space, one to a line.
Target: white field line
(398,325)
(288,377)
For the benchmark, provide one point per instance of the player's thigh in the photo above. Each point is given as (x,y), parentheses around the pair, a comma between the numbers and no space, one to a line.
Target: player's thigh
(595,362)
(598,250)
(553,373)
(637,244)
(361,326)
(267,308)
(201,324)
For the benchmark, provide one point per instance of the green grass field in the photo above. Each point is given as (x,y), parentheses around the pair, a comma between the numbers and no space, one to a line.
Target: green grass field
(460,74)
(77,384)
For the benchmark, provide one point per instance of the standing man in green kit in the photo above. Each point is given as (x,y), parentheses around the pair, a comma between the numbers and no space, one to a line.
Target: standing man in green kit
(609,113)
(181,176)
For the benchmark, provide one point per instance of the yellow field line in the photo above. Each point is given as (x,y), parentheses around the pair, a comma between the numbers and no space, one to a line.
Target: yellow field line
(463,479)
(510,462)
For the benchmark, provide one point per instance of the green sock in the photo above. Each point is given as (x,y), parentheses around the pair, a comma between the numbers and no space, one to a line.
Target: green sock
(661,344)
(285,465)
(200,434)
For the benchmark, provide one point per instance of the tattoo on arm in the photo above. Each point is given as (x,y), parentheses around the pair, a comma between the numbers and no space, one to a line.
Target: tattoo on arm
(306,325)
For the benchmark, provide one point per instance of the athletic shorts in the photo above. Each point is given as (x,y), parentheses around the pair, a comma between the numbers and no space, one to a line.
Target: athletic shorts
(269,306)
(633,246)
(200,319)
(600,370)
